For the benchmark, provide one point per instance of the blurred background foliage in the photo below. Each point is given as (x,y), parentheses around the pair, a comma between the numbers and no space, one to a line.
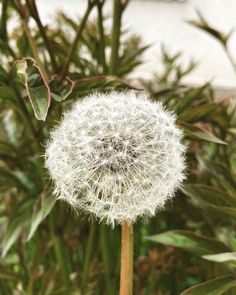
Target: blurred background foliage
(47,249)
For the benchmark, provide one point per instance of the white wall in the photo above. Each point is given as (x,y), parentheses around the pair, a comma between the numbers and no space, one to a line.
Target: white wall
(161,22)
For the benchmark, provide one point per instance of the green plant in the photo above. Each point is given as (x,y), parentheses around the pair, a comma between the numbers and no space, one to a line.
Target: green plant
(36,85)
(45,248)
(211,187)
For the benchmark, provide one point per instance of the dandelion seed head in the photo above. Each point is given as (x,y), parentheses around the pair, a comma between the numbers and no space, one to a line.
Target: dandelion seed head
(117,155)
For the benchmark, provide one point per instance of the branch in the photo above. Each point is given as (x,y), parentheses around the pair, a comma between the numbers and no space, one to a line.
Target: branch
(76,40)
(101,36)
(34,13)
(118,7)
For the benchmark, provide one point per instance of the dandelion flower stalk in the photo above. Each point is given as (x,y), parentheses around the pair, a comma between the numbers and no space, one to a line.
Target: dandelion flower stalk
(119,157)
(126,270)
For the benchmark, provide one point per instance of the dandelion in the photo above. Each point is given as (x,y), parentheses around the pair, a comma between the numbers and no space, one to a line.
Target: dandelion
(118,156)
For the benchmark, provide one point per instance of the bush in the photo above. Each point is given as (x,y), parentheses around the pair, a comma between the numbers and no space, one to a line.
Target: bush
(46,249)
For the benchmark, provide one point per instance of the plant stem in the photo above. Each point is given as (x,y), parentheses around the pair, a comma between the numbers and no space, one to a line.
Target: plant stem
(24,18)
(101,36)
(3,22)
(231,59)
(3,28)
(34,13)
(89,248)
(118,7)
(106,259)
(126,272)
(33,47)
(59,253)
(27,118)
(75,43)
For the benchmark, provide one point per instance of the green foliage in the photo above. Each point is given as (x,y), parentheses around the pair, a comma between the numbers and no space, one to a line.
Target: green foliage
(210,189)
(45,248)
(189,241)
(214,287)
(37,88)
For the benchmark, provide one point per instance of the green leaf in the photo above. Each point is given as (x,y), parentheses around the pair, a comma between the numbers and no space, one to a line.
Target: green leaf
(61,90)
(3,21)
(101,81)
(216,286)
(37,88)
(217,169)
(46,206)
(225,211)
(192,95)
(189,241)
(3,74)
(7,94)
(197,113)
(12,234)
(203,25)
(84,86)
(221,257)
(10,179)
(12,130)
(7,148)
(196,133)
(208,194)
(212,198)
(16,226)
(6,275)
(67,290)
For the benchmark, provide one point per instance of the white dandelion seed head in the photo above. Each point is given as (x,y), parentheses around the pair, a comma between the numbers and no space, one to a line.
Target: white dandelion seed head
(116,155)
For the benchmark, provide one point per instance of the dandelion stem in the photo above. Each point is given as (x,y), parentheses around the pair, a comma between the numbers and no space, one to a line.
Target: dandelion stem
(126,272)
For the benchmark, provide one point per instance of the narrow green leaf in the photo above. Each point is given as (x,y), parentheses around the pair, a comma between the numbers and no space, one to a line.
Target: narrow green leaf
(7,275)
(10,179)
(3,74)
(7,94)
(37,88)
(65,290)
(213,199)
(192,95)
(101,81)
(7,148)
(12,234)
(3,22)
(216,286)
(61,90)
(195,113)
(213,32)
(46,206)
(208,194)
(218,169)
(16,226)
(189,241)
(194,132)
(221,257)
(204,135)
(224,211)
(203,25)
